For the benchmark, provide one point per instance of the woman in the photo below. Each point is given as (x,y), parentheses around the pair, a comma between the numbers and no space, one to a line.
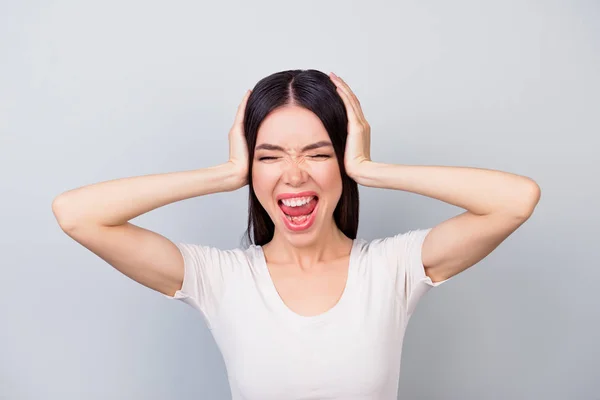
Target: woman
(307,311)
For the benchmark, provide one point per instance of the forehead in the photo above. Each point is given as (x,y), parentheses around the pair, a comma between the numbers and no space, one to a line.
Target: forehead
(291,127)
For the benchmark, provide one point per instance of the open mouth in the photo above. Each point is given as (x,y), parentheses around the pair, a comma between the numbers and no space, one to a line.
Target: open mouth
(298,212)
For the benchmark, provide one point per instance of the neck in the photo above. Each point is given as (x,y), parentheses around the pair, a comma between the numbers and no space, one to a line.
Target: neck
(329,244)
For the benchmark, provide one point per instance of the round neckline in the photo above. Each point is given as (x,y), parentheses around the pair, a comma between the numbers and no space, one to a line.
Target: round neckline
(286,311)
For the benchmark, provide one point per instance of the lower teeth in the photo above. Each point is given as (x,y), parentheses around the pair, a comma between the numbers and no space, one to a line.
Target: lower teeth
(297,220)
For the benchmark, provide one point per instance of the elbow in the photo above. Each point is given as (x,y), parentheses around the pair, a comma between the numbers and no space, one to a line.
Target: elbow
(59,209)
(57,206)
(529,200)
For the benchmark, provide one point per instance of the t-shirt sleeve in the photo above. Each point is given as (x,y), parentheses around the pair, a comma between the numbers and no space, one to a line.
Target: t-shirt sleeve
(206,272)
(403,253)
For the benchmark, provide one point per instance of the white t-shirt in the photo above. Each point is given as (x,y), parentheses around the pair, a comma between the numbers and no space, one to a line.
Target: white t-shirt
(350,352)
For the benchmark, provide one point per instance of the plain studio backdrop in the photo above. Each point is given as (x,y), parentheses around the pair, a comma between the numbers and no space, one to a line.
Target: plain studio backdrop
(94,91)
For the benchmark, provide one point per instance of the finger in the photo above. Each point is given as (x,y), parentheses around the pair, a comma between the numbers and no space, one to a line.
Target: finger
(239,117)
(340,83)
(346,88)
(352,116)
(343,88)
(355,100)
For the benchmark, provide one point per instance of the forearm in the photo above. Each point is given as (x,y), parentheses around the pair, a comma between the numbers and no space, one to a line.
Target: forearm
(118,201)
(480,191)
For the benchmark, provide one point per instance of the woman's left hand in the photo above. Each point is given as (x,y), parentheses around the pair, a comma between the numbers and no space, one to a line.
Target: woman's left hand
(358,143)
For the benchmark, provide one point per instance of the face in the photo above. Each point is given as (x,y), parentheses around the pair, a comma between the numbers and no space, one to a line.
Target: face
(295,173)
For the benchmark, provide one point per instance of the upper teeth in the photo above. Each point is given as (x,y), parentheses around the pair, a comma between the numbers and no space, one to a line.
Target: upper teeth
(297,201)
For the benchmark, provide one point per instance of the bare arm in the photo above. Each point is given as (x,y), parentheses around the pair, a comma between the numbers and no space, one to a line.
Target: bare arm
(97,215)
(497,202)
(117,201)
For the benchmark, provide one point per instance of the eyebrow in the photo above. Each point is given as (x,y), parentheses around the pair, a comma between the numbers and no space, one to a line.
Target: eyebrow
(268,146)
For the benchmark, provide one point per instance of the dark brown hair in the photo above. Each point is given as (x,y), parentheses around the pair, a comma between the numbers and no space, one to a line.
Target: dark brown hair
(314,91)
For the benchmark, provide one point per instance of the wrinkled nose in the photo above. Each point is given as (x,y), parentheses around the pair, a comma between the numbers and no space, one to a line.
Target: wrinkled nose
(294,175)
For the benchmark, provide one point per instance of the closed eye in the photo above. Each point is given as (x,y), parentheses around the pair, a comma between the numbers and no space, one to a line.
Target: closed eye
(317,156)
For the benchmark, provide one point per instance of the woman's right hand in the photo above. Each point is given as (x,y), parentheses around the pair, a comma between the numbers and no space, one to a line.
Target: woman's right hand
(238,147)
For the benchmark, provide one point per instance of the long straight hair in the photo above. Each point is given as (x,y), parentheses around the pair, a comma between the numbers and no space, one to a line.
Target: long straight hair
(314,91)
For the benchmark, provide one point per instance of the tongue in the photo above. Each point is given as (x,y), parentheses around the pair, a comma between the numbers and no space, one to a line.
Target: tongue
(300,210)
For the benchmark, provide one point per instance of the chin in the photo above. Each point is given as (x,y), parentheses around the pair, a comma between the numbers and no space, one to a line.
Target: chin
(304,239)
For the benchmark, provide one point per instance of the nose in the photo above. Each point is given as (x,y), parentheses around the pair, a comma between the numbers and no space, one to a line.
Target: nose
(294,174)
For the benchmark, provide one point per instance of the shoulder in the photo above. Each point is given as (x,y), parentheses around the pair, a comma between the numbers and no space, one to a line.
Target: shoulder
(394,246)
(206,255)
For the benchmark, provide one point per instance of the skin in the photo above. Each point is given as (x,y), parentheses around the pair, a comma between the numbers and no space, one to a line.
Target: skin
(293,170)
(497,203)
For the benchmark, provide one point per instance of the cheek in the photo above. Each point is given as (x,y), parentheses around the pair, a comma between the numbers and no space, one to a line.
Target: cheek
(329,178)
(263,182)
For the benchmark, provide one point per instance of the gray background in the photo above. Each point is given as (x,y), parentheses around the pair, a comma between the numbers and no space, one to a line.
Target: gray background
(92,91)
